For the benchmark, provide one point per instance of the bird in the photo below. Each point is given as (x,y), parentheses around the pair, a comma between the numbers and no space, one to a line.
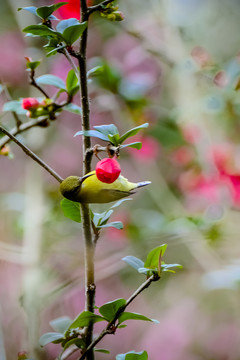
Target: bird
(89,190)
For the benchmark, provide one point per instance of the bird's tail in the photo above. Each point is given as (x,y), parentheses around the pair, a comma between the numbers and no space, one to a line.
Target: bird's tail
(143,183)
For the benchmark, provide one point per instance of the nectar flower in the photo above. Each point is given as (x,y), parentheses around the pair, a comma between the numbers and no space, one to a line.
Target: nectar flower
(108,170)
(30,103)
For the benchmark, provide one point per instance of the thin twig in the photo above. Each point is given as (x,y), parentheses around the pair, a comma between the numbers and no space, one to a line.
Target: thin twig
(32,155)
(67,55)
(98,7)
(33,83)
(110,328)
(23,127)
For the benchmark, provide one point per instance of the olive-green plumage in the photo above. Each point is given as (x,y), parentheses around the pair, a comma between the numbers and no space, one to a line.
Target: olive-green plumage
(91,190)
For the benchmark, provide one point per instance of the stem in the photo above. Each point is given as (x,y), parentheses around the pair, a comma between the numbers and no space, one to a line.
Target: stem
(109,328)
(89,245)
(33,83)
(97,7)
(68,57)
(32,155)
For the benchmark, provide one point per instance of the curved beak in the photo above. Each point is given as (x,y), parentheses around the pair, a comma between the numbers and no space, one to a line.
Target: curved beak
(85,177)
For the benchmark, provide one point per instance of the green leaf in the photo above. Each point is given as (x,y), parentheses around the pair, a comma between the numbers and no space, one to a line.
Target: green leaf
(44,12)
(15,106)
(132,355)
(71,210)
(132,132)
(72,83)
(49,79)
(133,262)
(73,108)
(73,33)
(115,224)
(134,316)
(119,202)
(32,64)
(152,261)
(31,9)
(84,319)
(167,267)
(135,145)
(110,309)
(93,133)
(101,218)
(95,71)
(50,337)
(102,351)
(61,324)
(107,130)
(80,343)
(122,326)
(114,139)
(40,30)
(64,24)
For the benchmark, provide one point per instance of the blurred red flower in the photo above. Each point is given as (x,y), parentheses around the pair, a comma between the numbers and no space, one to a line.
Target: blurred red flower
(70,10)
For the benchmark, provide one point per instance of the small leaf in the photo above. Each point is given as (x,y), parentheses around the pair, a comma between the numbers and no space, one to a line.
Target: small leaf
(73,33)
(134,316)
(93,133)
(49,79)
(84,319)
(153,256)
(15,106)
(133,262)
(114,139)
(119,202)
(95,71)
(31,9)
(61,324)
(132,355)
(115,224)
(64,24)
(44,12)
(110,309)
(50,337)
(107,130)
(135,145)
(40,30)
(72,83)
(122,326)
(132,132)
(80,343)
(71,210)
(166,267)
(73,108)
(32,64)
(102,351)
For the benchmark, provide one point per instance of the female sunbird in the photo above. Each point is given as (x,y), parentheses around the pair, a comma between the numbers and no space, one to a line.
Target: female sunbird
(88,189)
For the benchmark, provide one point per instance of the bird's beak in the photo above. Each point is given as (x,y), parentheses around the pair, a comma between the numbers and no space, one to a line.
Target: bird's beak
(85,177)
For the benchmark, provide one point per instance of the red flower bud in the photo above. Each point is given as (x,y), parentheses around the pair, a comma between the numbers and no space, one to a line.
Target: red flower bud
(30,103)
(108,170)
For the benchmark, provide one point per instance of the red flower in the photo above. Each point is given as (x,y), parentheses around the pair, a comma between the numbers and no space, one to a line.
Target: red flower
(108,170)
(30,103)
(70,10)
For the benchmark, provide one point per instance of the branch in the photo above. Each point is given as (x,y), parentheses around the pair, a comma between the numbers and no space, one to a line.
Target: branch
(89,248)
(23,127)
(33,83)
(98,7)
(110,328)
(32,155)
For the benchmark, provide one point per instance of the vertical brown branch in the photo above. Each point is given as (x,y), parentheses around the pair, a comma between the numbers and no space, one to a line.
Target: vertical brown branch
(88,238)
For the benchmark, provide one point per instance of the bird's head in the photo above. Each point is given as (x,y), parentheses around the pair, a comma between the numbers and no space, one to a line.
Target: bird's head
(71,186)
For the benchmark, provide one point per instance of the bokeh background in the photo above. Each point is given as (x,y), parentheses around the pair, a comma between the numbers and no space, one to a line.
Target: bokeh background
(176,65)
